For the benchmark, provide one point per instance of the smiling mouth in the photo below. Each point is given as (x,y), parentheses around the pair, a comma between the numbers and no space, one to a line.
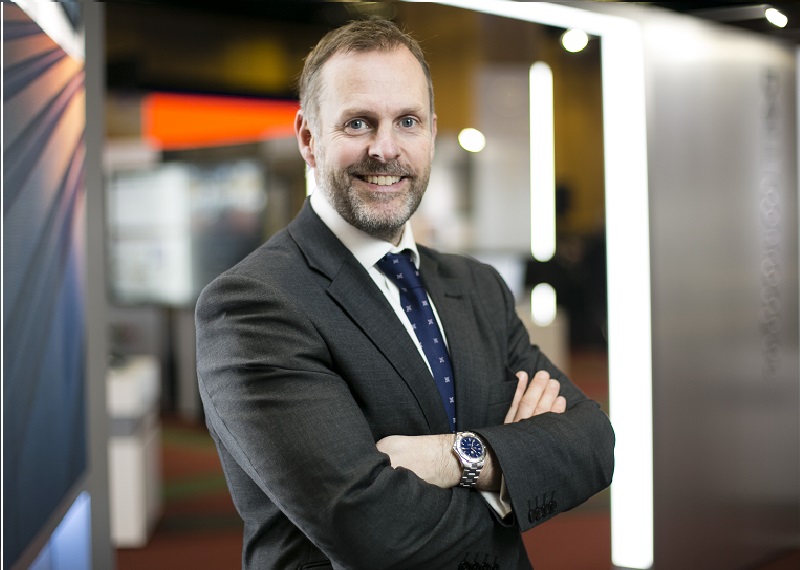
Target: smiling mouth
(381,180)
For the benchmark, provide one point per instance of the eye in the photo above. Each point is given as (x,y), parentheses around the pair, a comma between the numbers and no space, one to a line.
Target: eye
(356,124)
(408,122)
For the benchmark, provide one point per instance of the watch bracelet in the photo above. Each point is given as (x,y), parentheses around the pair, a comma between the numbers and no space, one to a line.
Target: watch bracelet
(469,477)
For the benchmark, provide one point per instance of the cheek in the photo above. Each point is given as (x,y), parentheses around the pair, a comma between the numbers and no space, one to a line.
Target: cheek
(343,152)
(421,154)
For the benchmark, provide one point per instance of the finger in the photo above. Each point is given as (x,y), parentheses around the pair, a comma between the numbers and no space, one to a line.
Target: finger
(548,398)
(522,384)
(560,405)
(529,401)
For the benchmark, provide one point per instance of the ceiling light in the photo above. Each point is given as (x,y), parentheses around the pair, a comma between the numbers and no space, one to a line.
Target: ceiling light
(543,304)
(471,140)
(776,18)
(574,40)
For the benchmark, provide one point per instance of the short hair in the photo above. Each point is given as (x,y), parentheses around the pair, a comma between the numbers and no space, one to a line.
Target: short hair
(360,36)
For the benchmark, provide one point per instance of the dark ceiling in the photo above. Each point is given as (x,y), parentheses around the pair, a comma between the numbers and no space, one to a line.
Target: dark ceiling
(739,13)
(330,13)
(747,15)
(192,27)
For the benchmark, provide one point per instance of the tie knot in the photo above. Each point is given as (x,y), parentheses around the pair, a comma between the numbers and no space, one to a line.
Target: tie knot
(399,268)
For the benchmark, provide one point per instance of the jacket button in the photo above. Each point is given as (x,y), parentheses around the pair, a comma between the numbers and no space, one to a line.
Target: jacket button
(553,505)
(530,515)
(464,565)
(538,513)
(495,566)
(475,566)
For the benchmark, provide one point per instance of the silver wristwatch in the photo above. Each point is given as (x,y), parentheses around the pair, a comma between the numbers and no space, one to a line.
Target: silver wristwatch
(471,452)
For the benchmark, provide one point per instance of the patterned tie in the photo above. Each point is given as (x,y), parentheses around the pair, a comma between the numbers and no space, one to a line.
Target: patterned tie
(414,298)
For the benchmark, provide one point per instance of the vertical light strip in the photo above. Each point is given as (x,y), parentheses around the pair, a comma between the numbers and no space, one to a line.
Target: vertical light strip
(629,325)
(628,247)
(542,161)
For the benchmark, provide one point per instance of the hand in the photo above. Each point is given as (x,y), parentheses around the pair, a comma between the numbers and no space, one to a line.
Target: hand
(429,456)
(534,398)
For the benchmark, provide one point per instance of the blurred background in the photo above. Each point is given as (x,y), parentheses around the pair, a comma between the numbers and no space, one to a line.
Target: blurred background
(629,168)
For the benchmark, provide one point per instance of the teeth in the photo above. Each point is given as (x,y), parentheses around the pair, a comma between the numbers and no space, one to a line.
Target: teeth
(383,180)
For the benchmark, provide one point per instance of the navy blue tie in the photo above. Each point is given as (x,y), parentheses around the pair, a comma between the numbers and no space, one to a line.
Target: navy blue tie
(414,299)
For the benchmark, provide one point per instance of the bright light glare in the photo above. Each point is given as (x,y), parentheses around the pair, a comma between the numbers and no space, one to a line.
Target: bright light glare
(472,140)
(574,40)
(543,304)
(542,159)
(776,17)
(51,18)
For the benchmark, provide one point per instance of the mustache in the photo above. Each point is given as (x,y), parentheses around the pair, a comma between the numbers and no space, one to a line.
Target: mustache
(372,166)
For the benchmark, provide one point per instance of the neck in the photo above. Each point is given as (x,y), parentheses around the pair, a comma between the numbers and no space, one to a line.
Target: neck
(392,235)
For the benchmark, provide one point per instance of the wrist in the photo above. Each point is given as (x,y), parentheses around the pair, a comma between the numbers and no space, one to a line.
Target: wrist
(450,465)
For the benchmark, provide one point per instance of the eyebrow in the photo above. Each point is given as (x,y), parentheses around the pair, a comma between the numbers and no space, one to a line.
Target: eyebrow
(361,112)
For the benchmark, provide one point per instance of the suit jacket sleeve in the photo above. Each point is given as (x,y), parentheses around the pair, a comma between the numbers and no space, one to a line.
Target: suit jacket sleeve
(273,397)
(551,462)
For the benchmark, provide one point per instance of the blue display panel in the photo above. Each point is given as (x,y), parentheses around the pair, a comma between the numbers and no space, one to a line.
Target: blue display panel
(69,547)
(44,410)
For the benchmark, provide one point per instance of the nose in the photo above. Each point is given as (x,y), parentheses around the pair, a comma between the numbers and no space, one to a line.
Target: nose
(383,145)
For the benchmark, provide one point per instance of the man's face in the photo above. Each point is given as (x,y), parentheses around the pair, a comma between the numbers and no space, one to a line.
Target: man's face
(373,142)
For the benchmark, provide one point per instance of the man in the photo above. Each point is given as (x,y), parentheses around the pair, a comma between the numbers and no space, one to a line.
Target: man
(334,416)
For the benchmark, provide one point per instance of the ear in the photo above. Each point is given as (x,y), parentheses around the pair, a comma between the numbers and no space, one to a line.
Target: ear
(305,139)
(433,135)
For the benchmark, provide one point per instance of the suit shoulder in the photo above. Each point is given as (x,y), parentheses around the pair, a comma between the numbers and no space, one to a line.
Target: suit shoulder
(273,257)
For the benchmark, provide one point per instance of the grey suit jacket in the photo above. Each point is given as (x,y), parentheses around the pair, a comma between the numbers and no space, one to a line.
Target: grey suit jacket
(303,366)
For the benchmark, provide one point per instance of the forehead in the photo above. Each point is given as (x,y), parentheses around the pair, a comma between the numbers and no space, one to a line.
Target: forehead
(380,80)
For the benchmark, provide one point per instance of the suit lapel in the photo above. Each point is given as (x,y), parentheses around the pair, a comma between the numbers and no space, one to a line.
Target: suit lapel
(354,291)
(457,315)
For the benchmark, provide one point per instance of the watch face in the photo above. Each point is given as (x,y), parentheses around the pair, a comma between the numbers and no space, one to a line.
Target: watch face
(471,447)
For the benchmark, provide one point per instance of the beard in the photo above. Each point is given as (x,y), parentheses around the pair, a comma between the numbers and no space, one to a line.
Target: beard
(381,215)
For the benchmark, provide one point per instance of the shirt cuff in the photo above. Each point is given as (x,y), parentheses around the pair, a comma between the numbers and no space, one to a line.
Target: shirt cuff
(500,502)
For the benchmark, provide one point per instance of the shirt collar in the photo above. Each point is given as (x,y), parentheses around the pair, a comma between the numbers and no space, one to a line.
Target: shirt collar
(366,249)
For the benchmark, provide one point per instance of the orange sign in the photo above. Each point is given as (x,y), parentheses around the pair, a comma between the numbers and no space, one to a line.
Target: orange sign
(177,121)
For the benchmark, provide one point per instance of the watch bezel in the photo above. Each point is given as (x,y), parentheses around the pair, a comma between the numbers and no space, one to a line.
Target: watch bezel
(467,460)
